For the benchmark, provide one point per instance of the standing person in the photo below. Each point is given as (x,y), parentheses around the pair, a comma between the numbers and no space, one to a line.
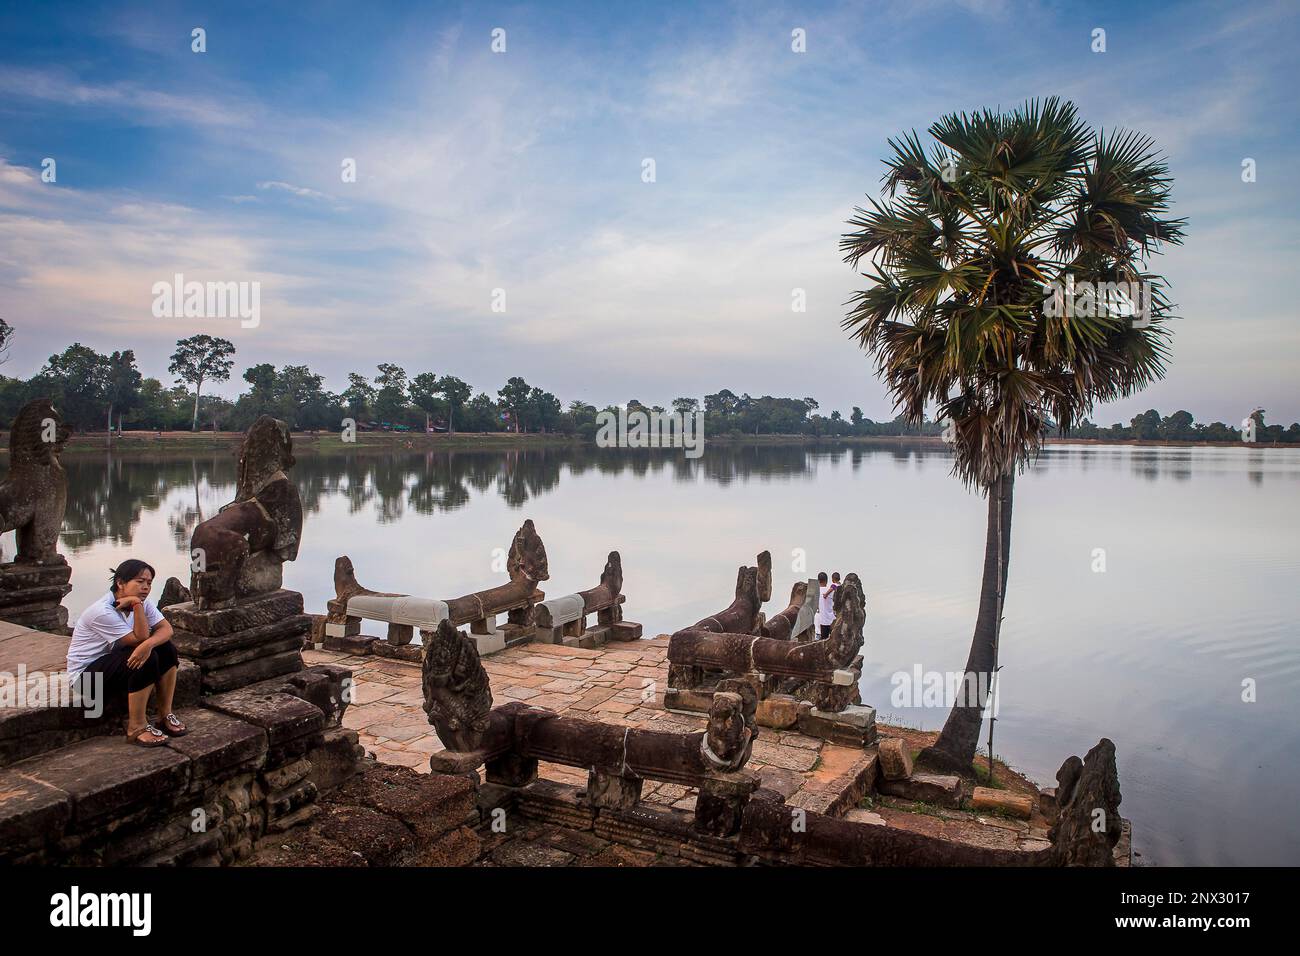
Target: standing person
(124,637)
(835,581)
(825,609)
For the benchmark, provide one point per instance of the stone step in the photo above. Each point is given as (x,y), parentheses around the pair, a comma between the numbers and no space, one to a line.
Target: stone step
(105,781)
(32,725)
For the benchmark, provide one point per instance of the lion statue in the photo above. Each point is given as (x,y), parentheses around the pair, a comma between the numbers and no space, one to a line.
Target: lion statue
(241,549)
(34,495)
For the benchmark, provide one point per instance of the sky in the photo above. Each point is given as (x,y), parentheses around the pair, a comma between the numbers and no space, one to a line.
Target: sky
(524,170)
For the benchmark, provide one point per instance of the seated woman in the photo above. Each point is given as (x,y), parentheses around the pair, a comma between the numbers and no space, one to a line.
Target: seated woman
(124,637)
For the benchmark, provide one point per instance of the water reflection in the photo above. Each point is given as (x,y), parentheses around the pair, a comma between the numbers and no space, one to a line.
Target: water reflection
(1199,592)
(108,495)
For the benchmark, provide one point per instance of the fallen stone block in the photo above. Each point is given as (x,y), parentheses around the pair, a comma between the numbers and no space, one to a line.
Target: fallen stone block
(937,789)
(895,759)
(779,711)
(854,726)
(1018,805)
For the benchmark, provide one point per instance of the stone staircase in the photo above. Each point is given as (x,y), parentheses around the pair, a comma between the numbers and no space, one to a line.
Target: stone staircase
(74,791)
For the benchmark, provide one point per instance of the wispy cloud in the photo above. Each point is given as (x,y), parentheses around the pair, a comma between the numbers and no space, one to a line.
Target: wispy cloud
(522,171)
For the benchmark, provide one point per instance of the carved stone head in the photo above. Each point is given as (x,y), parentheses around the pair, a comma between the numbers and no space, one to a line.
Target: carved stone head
(266,451)
(38,435)
(527,560)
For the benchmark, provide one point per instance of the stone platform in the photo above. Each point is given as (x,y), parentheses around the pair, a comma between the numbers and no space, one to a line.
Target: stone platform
(624,685)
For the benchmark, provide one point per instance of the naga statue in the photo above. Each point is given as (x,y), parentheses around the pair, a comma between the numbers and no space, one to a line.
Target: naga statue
(526,565)
(457,697)
(240,551)
(744,615)
(34,494)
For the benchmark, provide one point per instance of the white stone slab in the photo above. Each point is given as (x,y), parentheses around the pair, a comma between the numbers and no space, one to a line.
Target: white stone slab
(424,613)
(564,610)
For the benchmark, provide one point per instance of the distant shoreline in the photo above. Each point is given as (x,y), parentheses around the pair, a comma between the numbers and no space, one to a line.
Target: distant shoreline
(411,441)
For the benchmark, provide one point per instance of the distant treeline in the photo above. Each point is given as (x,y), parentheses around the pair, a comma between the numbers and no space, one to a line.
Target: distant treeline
(95,392)
(1180,426)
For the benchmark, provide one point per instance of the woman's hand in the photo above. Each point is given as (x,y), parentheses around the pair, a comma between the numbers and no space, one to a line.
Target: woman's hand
(127,603)
(139,655)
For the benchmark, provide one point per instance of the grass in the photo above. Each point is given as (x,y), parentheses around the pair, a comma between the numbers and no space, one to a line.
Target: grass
(890,720)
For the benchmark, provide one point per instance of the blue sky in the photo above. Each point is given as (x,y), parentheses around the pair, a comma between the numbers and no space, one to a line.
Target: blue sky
(522,171)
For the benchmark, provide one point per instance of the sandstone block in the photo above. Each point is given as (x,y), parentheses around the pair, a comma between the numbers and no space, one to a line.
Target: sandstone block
(938,789)
(247,613)
(895,759)
(1019,805)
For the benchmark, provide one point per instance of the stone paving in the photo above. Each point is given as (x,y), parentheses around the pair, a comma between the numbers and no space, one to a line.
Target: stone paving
(622,684)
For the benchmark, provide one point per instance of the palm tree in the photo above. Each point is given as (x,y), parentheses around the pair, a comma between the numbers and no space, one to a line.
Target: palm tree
(973,250)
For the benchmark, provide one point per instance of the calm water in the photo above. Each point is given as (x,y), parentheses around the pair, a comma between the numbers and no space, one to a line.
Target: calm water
(1199,592)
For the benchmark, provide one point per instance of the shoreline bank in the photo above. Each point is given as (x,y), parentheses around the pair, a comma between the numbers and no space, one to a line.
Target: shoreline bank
(505,441)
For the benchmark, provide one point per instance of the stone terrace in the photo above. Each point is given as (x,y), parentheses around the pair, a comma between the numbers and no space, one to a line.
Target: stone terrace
(621,684)
(624,684)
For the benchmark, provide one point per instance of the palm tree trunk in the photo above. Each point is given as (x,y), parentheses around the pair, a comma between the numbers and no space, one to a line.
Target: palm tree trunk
(955,749)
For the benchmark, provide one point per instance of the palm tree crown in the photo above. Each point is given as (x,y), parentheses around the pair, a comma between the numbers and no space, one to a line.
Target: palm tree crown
(965,250)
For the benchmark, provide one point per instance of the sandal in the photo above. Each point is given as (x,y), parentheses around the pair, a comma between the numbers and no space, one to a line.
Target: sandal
(172,726)
(154,738)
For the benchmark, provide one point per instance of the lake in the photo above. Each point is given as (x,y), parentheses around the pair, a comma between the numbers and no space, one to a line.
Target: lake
(1201,549)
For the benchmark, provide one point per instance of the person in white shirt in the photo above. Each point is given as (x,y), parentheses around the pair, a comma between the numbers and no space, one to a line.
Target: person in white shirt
(825,608)
(124,637)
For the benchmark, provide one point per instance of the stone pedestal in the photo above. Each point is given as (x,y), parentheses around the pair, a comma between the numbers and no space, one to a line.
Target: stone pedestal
(31,595)
(256,639)
(854,726)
